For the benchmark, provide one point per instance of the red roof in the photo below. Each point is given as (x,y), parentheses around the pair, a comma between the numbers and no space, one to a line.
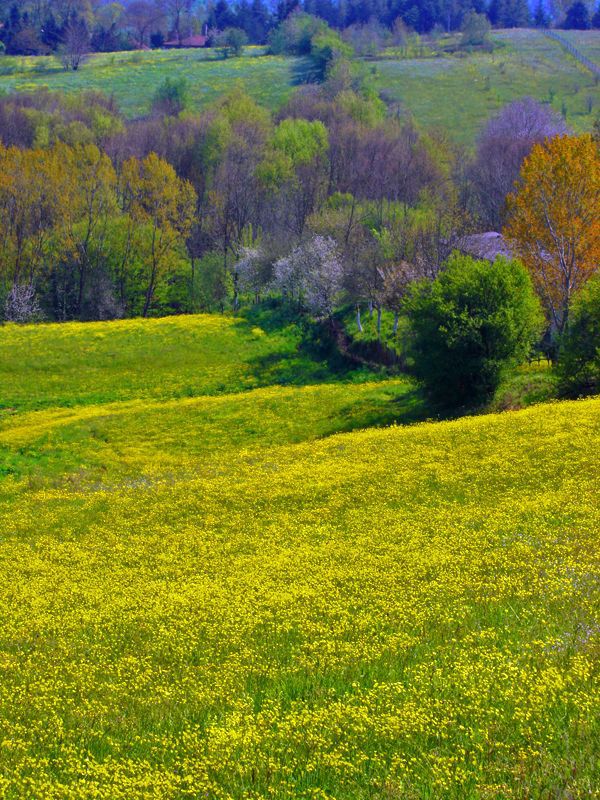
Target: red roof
(188,41)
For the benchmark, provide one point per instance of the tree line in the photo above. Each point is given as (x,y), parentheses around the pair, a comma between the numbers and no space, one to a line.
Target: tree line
(334,201)
(75,27)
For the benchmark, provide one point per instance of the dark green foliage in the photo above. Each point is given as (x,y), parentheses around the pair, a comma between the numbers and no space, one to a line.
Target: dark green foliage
(172,96)
(509,13)
(579,364)
(540,17)
(475,320)
(578,17)
(157,39)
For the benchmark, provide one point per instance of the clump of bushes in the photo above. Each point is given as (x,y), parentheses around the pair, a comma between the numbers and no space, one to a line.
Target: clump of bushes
(579,363)
(469,325)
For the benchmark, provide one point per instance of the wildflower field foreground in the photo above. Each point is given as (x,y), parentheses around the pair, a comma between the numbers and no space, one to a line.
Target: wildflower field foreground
(208,591)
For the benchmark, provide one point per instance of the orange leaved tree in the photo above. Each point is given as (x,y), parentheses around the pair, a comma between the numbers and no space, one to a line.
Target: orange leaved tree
(554,222)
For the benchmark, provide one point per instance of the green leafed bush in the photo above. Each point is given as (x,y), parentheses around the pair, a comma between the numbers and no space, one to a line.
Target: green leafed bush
(469,325)
(579,364)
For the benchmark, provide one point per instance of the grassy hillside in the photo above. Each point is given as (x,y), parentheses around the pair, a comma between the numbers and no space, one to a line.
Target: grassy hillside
(456,93)
(587,42)
(459,94)
(211,596)
(134,77)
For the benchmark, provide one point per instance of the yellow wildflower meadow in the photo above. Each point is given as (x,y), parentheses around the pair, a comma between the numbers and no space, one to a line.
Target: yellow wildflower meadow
(201,598)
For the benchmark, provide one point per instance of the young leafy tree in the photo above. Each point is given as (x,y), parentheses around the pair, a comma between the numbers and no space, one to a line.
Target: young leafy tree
(163,206)
(37,195)
(396,279)
(234,198)
(231,42)
(295,171)
(471,323)
(555,220)
(171,97)
(475,29)
(95,199)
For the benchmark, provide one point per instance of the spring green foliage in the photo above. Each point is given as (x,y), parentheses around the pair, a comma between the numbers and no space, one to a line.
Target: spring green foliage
(469,325)
(205,593)
(579,362)
(300,140)
(328,46)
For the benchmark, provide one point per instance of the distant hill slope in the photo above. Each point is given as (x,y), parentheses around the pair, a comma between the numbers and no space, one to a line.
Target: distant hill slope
(454,93)
(211,596)
(458,94)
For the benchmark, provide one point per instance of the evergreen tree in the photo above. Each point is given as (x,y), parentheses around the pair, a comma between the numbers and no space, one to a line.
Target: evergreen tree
(509,13)
(223,16)
(50,32)
(540,17)
(578,17)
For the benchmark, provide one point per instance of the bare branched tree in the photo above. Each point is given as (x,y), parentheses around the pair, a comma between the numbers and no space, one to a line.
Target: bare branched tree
(501,149)
(76,43)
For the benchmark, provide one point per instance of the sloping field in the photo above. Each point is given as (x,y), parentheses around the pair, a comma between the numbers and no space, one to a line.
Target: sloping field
(587,42)
(134,77)
(212,596)
(458,94)
(454,93)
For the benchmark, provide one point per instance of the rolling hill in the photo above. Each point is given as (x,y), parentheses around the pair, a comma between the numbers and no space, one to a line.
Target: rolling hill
(219,581)
(455,93)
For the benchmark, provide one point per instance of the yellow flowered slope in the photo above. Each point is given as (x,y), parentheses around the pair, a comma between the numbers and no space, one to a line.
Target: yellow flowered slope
(409,612)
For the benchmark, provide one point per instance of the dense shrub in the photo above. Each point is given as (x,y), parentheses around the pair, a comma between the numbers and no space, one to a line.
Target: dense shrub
(579,364)
(172,96)
(474,320)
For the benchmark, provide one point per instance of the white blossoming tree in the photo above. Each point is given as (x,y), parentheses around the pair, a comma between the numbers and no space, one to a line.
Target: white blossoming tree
(312,273)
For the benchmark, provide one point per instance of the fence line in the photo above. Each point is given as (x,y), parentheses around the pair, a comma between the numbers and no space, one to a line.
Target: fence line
(587,62)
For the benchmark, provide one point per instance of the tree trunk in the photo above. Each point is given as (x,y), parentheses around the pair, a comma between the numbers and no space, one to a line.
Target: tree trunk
(235,292)
(148,300)
(379,322)
(358,320)
(370,309)
(396,318)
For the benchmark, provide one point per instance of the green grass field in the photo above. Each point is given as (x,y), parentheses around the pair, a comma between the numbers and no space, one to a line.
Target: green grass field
(215,584)
(456,93)
(134,77)
(587,42)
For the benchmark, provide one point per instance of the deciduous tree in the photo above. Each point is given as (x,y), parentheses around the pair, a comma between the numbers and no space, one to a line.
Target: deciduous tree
(164,206)
(555,220)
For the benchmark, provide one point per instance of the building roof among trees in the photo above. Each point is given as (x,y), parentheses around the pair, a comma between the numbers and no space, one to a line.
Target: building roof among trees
(187,41)
(485,245)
